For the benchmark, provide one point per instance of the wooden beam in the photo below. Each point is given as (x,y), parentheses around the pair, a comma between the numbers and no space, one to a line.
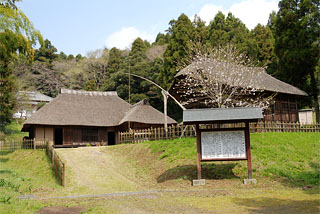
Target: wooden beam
(248,150)
(198,133)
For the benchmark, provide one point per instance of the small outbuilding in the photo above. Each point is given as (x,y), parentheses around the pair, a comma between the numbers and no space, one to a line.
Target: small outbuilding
(305,116)
(30,102)
(76,118)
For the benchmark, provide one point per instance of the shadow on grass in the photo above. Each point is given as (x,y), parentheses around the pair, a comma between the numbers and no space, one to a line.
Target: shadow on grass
(5,152)
(4,171)
(266,205)
(189,172)
(3,160)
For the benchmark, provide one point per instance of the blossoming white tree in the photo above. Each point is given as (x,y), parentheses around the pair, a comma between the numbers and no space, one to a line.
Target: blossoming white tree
(223,78)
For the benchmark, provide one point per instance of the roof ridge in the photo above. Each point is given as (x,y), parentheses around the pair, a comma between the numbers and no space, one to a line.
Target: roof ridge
(89,93)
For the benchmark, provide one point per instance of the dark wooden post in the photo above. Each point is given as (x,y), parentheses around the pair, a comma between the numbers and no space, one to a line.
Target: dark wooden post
(198,151)
(248,150)
(63,174)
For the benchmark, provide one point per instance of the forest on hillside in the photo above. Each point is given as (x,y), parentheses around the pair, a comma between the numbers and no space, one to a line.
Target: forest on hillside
(288,47)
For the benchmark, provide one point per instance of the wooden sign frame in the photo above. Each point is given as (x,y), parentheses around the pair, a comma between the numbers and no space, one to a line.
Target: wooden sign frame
(247,147)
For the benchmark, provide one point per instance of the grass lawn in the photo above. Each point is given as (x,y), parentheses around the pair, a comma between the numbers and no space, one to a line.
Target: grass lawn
(290,158)
(13,130)
(286,166)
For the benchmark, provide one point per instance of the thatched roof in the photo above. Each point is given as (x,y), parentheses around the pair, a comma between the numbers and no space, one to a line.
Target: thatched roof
(82,108)
(142,112)
(33,97)
(262,80)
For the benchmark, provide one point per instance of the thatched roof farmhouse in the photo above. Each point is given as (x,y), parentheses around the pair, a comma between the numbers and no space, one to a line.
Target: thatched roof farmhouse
(284,108)
(81,117)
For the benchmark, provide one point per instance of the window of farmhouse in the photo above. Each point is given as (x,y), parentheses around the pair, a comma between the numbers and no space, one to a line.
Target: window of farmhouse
(90,135)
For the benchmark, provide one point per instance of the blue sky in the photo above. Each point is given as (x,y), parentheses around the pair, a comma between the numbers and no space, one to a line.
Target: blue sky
(78,26)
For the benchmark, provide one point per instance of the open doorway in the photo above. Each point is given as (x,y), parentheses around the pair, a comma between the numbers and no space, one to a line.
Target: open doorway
(58,136)
(111,138)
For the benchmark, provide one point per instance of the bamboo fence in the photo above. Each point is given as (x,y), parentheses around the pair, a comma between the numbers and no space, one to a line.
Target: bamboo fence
(136,136)
(11,144)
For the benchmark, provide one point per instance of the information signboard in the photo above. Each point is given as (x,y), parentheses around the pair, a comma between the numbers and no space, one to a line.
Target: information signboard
(223,145)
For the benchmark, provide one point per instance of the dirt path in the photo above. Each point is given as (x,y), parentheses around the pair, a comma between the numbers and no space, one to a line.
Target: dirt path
(96,172)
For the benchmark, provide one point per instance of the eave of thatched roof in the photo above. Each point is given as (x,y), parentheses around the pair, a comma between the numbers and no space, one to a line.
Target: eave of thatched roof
(262,80)
(142,112)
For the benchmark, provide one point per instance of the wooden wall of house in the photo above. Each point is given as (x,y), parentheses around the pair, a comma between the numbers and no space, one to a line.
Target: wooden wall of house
(284,109)
(41,133)
(73,135)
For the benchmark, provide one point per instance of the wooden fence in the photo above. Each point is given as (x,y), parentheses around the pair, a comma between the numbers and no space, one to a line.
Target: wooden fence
(57,164)
(11,144)
(136,136)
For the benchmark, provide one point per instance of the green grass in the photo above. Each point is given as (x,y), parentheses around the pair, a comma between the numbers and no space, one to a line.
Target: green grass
(292,158)
(289,159)
(24,172)
(13,130)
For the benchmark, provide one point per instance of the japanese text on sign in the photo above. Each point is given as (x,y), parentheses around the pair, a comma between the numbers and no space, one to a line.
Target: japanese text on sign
(223,145)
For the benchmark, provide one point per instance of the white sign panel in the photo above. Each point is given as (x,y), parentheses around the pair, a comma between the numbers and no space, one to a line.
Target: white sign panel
(223,144)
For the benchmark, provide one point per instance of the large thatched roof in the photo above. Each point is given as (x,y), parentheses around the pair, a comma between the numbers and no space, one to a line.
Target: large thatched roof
(142,112)
(82,108)
(262,80)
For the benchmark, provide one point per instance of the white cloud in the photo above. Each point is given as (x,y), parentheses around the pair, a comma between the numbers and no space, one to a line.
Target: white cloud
(250,12)
(123,38)
(208,12)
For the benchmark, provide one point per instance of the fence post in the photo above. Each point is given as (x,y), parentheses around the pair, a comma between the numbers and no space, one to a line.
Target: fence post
(63,174)
(56,166)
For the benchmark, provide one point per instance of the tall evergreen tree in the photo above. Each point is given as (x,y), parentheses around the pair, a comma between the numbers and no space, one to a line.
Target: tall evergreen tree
(231,30)
(181,33)
(263,38)
(297,30)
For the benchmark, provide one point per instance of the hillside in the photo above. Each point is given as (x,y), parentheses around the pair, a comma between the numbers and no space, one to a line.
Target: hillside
(290,159)
(155,177)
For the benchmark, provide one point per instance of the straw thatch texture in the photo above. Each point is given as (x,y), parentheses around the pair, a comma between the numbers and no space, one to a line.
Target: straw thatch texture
(98,109)
(82,110)
(262,80)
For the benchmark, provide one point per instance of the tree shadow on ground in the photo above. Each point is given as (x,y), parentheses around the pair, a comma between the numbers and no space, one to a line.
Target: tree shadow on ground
(189,172)
(265,205)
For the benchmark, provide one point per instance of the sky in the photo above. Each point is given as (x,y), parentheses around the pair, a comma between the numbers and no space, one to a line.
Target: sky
(80,26)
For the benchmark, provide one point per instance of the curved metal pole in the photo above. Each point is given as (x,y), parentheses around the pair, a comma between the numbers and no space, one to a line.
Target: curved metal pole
(164,91)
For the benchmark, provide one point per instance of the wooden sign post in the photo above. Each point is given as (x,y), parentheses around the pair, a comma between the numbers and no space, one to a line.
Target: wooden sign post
(222,143)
